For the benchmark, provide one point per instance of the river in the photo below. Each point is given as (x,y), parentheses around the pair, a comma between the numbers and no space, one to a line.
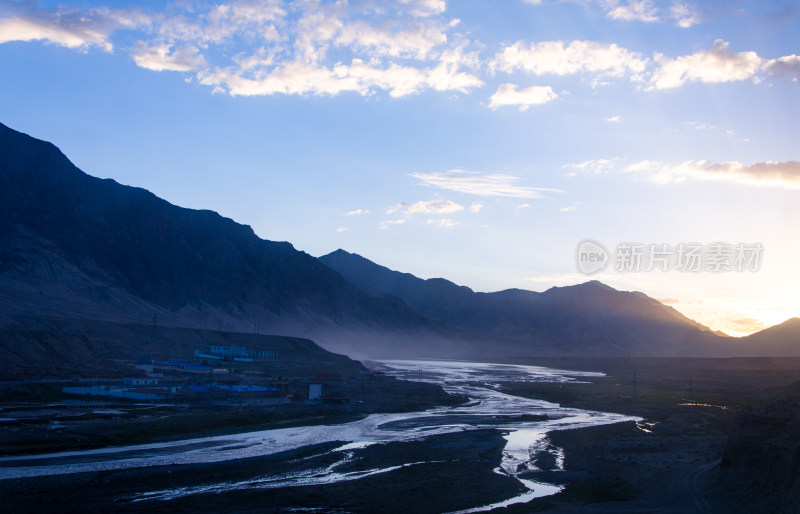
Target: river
(522,421)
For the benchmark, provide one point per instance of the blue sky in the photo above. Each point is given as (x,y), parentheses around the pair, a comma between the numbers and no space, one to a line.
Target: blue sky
(479,141)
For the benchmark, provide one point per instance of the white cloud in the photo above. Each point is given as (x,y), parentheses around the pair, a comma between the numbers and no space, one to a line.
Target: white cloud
(417,42)
(267,47)
(405,47)
(642,10)
(442,222)
(523,206)
(647,11)
(701,125)
(768,173)
(787,66)
(603,61)
(357,212)
(562,279)
(342,229)
(593,166)
(424,8)
(683,15)
(388,223)
(359,76)
(161,57)
(613,119)
(476,207)
(507,94)
(480,184)
(719,64)
(432,207)
(69,28)
(558,58)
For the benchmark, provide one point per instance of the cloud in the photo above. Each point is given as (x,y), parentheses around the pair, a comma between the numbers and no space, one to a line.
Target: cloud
(683,15)
(768,173)
(646,11)
(562,279)
(70,28)
(642,10)
(442,222)
(480,184)
(476,207)
(417,42)
(787,67)
(388,223)
(507,94)
(402,48)
(603,61)
(357,212)
(267,47)
(570,208)
(432,207)
(424,8)
(719,64)
(342,229)
(748,325)
(701,125)
(593,166)
(558,58)
(613,119)
(160,58)
(523,206)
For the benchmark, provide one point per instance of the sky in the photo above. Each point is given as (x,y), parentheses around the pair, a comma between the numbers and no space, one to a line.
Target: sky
(481,141)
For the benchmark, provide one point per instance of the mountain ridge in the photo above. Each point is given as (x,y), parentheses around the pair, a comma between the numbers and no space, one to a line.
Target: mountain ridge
(76,246)
(620,322)
(72,242)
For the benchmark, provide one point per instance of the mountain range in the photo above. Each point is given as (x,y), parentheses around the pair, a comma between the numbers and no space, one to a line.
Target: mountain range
(73,246)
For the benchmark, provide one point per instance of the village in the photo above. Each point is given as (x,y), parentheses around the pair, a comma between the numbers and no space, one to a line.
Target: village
(216,389)
(233,375)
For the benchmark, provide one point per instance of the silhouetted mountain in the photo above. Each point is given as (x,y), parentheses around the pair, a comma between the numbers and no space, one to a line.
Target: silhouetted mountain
(777,341)
(585,319)
(76,246)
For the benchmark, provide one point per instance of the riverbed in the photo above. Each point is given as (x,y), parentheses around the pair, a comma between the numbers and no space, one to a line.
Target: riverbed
(337,454)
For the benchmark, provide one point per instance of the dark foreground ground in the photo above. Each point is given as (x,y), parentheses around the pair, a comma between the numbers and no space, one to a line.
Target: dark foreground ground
(668,463)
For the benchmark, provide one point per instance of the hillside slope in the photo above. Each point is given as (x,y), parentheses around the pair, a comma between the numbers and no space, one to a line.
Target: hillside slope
(76,246)
(589,319)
